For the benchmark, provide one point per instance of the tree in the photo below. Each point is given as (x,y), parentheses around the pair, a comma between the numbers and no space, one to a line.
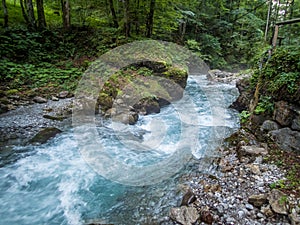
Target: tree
(30,14)
(113,13)
(5,13)
(41,14)
(150,19)
(126,18)
(66,17)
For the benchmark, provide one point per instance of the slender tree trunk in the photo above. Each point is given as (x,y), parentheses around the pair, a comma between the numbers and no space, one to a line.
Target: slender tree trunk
(30,14)
(66,17)
(268,19)
(126,19)
(113,13)
(24,12)
(5,13)
(150,19)
(41,14)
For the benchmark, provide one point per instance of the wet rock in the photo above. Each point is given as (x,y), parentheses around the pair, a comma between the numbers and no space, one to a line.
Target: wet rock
(257,200)
(188,198)
(147,106)
(39,99)
(63,94)
(44,135)
(59,118)
(287,139)
(283,113)
(184,215)
(127,118)
(245,96)
(269,125)
(278,202)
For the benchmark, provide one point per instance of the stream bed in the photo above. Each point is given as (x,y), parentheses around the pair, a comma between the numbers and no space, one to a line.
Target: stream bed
(56,183)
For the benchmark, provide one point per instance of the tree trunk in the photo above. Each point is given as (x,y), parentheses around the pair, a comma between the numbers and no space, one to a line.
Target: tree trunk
(24,12)
(113,13)
(30,14)
(126,19)
(150,19)
(41,14)
(5,13)
(65,4)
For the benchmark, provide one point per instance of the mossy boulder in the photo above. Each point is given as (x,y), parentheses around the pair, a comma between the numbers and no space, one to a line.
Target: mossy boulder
(145,86)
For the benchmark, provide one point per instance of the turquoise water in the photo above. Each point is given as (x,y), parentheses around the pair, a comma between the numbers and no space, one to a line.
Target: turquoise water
(55,183)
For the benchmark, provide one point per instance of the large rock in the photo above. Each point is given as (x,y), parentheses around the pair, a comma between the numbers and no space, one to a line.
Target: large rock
(278,202)
(44,135)
(246,94)
(283,113)
(287,139)
(269,125)
(184,215)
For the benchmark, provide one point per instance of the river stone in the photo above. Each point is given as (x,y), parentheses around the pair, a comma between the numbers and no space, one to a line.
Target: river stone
(251,151)
(39,99)
(269,125)
(63,94)
(188,198)
(184,215)
(277,200)
(287,139)
(45,134)
(294,218)
(257,200)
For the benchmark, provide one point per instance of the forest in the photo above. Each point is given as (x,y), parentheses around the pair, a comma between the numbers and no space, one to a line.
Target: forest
(47,41)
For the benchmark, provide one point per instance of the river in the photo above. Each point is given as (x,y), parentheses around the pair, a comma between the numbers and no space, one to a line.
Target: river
(55,183)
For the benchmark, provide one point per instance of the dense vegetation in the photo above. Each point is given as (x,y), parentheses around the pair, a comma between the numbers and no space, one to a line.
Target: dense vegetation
(51,42)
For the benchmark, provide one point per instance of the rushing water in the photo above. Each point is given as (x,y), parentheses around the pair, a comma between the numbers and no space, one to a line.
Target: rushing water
(53,184)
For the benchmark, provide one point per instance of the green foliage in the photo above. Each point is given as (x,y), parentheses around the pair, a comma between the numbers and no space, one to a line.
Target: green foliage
(265,105)
(31,76)
(244,116)
(279,77)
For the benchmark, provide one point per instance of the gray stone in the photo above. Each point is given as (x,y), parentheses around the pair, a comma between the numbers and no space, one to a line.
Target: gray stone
(184,215)
(251,151)
(287,139)
(249,206)
(54,98)
(269,125)
(296,123)
(63,94)
(39,99)
(257,200)
(283,113)
(294,218)
(278,202)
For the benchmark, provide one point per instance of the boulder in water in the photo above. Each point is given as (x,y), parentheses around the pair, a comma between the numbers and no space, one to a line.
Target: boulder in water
(44,135)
